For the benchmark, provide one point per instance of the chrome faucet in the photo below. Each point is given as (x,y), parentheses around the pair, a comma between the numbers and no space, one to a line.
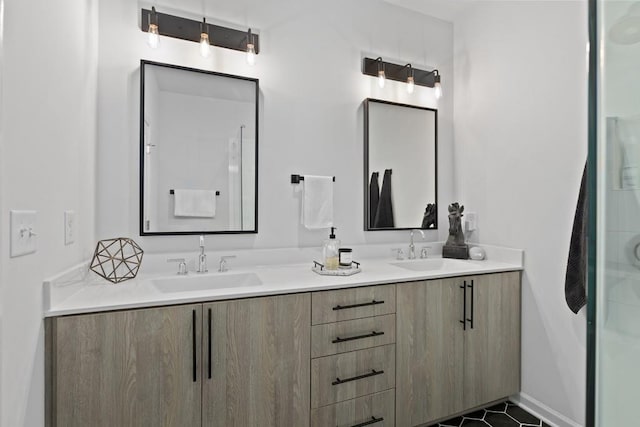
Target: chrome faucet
(223,263)
(412,246)
(182,265)
(202,258)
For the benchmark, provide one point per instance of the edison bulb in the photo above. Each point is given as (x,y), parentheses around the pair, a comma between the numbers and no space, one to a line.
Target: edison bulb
(205,47)
(381,78)
(251,54)
(154,36)
(410,84)
(438,90)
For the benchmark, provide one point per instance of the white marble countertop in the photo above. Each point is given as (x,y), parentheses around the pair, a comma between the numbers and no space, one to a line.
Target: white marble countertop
(78,291)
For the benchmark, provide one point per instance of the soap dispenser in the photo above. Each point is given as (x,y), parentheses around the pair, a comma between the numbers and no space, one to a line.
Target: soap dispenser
(330,251)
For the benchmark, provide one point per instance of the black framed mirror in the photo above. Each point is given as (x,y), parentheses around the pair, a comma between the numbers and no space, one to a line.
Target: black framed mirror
(400,166)
(198,151)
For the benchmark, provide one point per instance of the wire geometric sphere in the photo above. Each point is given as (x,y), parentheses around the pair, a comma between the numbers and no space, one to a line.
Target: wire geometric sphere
(117,259)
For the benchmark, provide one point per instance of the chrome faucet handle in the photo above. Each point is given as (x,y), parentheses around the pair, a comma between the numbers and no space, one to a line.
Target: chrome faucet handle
(424,253)
(182,265)
(399,253)
(223,263)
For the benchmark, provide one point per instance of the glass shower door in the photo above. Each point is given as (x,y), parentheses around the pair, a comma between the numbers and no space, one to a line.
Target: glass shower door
(615,372)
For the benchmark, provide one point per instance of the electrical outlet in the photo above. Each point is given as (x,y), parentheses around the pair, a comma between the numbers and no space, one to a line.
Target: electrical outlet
(471,221)
(69,227)
(23,233)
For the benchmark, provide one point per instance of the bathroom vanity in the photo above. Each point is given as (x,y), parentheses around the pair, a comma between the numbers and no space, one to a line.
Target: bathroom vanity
(391,347)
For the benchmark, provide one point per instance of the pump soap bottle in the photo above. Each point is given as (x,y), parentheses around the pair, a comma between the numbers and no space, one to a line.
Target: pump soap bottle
(330,251)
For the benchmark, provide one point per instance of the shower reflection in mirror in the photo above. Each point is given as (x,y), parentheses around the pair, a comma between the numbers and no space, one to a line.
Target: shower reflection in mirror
(199,144)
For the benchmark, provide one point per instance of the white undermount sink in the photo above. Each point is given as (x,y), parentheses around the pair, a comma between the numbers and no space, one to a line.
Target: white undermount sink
(194,282)
(435,264)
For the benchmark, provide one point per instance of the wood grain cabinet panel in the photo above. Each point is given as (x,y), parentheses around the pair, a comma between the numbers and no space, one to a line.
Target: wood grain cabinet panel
(446,366)
(354,303)
(492,346)
(350,375)
(429,344)
(378,409)
(350,335)
(260,352)
(127,368)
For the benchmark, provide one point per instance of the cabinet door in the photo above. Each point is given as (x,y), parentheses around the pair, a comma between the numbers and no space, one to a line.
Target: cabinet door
(429,346)
(492,345)
(126,368)
(257,362)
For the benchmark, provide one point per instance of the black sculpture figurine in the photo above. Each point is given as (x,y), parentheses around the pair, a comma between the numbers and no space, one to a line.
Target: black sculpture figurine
(455,246)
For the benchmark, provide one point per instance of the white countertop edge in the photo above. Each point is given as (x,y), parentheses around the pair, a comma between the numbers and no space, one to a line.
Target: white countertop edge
(60,306)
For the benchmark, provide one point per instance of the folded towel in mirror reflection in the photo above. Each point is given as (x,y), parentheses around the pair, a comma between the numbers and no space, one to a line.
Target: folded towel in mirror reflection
(195,203)
(317,202)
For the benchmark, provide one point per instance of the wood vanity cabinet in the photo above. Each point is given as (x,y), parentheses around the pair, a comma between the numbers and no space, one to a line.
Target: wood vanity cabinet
(125,368)
(458,345)
(230,363)
(260,372)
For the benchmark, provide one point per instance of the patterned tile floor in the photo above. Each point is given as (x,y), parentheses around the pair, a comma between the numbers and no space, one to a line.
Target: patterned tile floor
(505,414)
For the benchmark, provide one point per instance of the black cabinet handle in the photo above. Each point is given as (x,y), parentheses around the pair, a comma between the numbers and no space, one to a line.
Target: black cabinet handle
(373,373)
(209,343)
(464,306)
(195,361)
(357,337)
(364,304)
(373,420)
(470,320)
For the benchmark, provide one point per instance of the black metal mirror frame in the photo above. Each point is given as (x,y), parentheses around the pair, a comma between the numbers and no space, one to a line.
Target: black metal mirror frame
(367,226)
(144,63)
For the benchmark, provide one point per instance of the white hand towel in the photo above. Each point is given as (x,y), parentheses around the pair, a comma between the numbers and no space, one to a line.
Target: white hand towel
(317,202)
(195,203)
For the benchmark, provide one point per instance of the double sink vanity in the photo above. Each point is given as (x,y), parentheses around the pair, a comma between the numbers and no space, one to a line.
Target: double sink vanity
(404,343)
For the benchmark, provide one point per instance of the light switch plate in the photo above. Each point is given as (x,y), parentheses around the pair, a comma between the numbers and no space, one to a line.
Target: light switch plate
(23,233)
(69,227)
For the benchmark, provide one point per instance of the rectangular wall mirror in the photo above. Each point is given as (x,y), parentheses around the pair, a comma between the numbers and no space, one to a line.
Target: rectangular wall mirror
(198,151)
(400,164)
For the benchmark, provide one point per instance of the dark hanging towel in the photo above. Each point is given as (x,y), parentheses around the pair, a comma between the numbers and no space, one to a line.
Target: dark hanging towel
(384,213)
(374,198)
(575,286)
(429,217)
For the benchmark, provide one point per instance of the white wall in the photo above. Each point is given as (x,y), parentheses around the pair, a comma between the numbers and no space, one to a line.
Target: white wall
(520,146)
(48,110)
(310,107)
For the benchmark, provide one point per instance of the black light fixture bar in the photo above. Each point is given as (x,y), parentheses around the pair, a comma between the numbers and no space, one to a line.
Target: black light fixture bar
(400,73)
(190,30)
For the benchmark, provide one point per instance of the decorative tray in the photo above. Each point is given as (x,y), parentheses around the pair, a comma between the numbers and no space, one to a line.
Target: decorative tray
(320,269)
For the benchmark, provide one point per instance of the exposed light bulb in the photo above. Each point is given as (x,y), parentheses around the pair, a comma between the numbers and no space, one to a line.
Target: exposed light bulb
(438,90)
(205,47)
(251,54)
(154,36)
(381,79)
(410,84)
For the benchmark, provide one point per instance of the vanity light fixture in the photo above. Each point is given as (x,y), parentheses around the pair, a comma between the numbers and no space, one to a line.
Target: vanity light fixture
(402,73)
(152,24)
(436,85)
(381,75)
(251,49)
(197,31)
(205,47)
(410,80)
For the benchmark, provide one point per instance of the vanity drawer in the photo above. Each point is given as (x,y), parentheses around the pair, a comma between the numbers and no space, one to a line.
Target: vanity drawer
(350,375)
(350,335)
(356,303)
(377,409)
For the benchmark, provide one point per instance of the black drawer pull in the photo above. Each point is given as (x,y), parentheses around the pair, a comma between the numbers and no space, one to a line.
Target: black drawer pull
(194,345)
(364,304)
(357,337)
(373,420)
(373,373)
